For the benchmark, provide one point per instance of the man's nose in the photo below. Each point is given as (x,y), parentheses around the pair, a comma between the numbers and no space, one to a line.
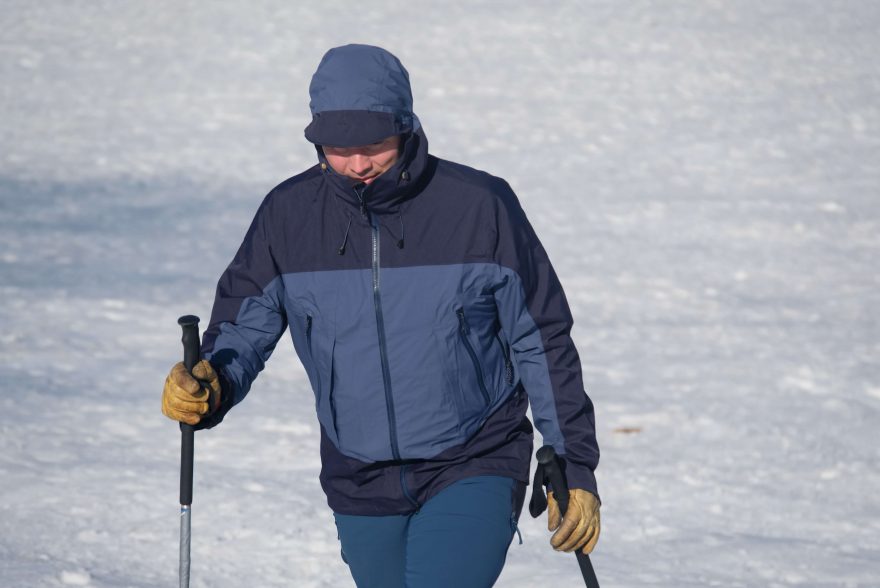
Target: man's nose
(360,163)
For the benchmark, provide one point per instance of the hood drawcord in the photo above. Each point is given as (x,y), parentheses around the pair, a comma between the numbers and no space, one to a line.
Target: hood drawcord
(341,250)
(359,192)
(400,241)
(404,176)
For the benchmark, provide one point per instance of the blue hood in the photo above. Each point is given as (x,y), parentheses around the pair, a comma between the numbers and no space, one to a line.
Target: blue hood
(360,95)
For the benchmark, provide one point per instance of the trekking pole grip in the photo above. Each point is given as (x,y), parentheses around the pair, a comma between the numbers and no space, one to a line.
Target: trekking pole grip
(547,457)
(190,326)
(553,470)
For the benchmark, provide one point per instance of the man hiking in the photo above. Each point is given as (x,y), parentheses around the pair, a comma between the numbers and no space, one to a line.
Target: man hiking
(428,317)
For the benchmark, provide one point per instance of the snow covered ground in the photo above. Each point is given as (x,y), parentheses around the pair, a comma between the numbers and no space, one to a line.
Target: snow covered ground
(704,176)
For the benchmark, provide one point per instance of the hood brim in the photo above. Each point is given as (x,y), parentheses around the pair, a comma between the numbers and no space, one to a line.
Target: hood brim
(353,128)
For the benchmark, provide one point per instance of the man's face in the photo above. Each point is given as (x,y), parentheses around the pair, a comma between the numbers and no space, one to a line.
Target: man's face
(364,163)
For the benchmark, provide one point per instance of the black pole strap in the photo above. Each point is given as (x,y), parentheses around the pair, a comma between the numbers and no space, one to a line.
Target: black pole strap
(190,326)
(551,473)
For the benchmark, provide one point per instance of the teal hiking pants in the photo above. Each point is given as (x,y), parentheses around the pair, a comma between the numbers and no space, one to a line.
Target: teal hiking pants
(457,538)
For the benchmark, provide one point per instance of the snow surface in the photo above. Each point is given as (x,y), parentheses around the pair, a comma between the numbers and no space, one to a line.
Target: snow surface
(703,174)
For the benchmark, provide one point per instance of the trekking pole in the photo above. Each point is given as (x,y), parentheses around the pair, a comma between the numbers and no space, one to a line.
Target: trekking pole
(190,326)
(549,461)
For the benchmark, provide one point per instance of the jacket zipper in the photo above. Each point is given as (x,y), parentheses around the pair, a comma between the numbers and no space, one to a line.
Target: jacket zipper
(380,327)
(463,331)
(508,365)
(309,332)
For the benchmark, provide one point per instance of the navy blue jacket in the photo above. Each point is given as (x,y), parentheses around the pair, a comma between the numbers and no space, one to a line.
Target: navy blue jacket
(426,314)
(422,306)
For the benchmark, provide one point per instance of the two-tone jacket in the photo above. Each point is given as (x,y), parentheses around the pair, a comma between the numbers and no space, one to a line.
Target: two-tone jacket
(427,316)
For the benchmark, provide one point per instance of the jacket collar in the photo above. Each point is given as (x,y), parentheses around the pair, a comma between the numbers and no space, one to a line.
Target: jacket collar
(390,190)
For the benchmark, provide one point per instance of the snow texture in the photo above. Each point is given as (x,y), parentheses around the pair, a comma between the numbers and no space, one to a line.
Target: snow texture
(704,176)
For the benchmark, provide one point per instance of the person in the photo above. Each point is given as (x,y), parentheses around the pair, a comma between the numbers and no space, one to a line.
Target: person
(427,317)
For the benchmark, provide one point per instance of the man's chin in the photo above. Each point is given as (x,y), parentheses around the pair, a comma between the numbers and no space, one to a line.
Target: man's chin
(367,180)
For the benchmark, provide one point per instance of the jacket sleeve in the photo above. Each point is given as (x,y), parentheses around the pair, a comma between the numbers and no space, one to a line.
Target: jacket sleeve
(248,317)
(536,318)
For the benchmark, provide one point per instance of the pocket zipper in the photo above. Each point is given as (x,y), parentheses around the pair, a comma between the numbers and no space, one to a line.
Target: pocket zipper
(508,365)
(463,331)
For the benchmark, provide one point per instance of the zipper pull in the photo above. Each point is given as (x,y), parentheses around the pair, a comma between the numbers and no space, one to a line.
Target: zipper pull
(461,321)
(359,192)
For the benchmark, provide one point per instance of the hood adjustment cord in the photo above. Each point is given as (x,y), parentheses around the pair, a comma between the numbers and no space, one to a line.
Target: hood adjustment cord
(400,241)
(397,240)
(341,250)
(404,175)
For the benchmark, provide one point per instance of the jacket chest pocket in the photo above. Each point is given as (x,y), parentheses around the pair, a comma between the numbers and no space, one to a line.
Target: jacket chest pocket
(488,356)
(505,355)
(464,332)
(301,328)
(315,348)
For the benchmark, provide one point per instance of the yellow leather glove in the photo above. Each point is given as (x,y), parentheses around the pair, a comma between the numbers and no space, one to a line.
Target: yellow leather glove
(186,398)
(581,526)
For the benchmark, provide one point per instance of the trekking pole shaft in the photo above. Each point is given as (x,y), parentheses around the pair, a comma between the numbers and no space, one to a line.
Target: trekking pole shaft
(185,524)
(547,457)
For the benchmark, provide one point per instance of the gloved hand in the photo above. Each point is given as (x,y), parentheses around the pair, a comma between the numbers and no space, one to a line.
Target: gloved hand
(186,398)
(581,526)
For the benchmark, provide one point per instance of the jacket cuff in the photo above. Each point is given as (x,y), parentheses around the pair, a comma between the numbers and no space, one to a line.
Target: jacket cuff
(582,478)
(216,417)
